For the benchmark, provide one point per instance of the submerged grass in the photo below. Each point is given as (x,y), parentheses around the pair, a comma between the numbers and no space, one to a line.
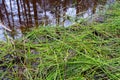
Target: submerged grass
(90,52)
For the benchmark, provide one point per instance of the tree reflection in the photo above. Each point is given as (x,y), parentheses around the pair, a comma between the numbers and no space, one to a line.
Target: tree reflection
(28,13)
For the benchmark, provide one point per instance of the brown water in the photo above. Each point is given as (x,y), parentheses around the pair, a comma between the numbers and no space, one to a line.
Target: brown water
(19,15)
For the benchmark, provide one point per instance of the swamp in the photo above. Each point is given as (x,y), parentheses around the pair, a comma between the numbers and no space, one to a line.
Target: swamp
(59,39)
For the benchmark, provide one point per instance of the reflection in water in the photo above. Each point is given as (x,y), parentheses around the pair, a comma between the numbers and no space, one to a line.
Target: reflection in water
(22,14)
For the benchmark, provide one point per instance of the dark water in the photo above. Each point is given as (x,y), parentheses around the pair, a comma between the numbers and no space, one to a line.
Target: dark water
(19,15)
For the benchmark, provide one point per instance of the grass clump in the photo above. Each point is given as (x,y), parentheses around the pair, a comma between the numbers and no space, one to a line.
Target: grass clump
(79,52)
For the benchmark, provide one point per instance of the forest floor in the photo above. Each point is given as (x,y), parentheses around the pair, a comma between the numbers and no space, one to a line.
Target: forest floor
(79,52)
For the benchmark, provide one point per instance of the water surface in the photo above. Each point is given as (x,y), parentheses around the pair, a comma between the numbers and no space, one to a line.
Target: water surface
(19,15)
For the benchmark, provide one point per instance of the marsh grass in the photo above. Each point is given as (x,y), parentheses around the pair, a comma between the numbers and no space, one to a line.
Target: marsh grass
(79,52)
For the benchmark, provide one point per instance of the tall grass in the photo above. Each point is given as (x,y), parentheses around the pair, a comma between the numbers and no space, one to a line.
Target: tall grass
(79,52)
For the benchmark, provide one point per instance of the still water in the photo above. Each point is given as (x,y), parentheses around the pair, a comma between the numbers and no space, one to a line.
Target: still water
(19,15)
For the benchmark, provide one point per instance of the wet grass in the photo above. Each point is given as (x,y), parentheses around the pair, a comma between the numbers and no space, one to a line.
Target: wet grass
(79,52)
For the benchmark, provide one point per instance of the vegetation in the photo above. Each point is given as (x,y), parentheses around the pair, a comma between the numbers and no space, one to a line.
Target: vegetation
(79,52)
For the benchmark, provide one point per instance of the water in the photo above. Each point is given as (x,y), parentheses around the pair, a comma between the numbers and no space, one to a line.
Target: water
(19,15)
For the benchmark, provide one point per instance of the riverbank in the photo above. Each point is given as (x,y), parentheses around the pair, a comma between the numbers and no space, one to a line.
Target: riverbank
(79,52)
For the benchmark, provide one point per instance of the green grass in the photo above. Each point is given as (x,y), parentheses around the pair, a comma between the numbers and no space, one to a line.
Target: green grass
(79,52)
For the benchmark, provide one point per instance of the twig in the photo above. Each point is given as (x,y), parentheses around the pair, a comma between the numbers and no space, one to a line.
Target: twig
(3,26)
